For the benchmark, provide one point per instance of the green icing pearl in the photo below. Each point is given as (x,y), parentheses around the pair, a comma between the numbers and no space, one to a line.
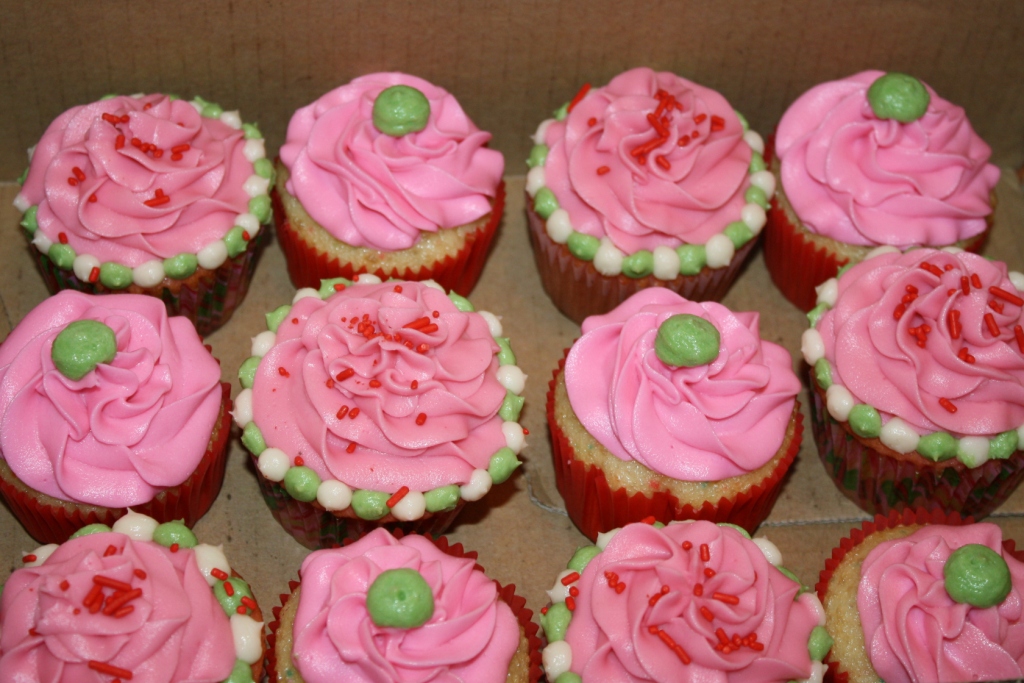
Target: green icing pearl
(569,677)
(583,246)
(898,96)
(505,355)
(231,603)
(556,621)
(814,315)
(277,316)
(115,276)
(1002,446)
(938,446)
(461,302)
(755,195)
(638,264)
(169,533)
(251,131)
(259,206)
(181,266)
(795,579)
(301,483)
(823,373)
(23,176)
(90,529)
(819,643)
(582,557)
(81,346)
(977,575)
(743,532)
(686,340)
(247,372)
(210,110)
(538,155)
(739,232)
(692,258)
(371,505)
(235,241)
(28,221)
(442,498)
(756,163)
(240,673)
(865,421)
(503,463)
(400,110)
(511,407)
(264,168)
(108,96)
(252,438)
(172,97)
(743,121)
(327,287)
(544,203)
(561,112)
(62,255)
(400,598)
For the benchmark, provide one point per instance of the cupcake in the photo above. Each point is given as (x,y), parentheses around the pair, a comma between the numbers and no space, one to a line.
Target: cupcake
(149,194)
(688,602)
(918,381)
(671,409)
(368,404)
(403,609)
(871,160)
(387,175)
(651,180)
(143,602)
(924,597)
(106,404)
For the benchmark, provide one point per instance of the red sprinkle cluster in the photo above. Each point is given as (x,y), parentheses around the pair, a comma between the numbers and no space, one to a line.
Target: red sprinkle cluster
(145,147)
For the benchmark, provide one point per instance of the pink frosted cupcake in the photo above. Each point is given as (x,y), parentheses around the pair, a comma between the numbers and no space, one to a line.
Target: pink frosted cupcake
(387,175)
(871,160)
(153,195)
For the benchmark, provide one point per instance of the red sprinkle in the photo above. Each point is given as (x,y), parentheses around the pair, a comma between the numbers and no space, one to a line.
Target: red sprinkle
(94,274)
(339,286)
(421,419)
(579,96)
(953,321)
(330,382)
(229,590)
(570,578)
(706,613)
(899,311)
(717,124)
(62,238)
(174,547)
(64,585)
(698,590)
(422,348)
(108,582)
(1006,296)
(110,669)
(157,201)
(351,447)
(248,602)
(111,550)
(283,372)
(72,182)
(240,609)
(429,329)
(124,118)
(299,462)
(93,198)
(414,384)
(995,306)
(570,602)
(726,598)
(687,545)
(947,404)
(178,149)
(352,414)
(649,519)
(965,285)
(342,412)
(932,268)
(78,173)
(374,384)
(965,356)
(1018,332)
(418,323)
(592,121)
(115,602)
(136,143)
(574,591)
(543,610)
(111,119)
(436,314)
(684,141)
(699,118)
(975,280)
(345,374)
(663,162)
(709,572)
(526,432)
(399,495)
(28,558)
(218,573)
(990,322)
(705,552)
(603,169)
(619,587)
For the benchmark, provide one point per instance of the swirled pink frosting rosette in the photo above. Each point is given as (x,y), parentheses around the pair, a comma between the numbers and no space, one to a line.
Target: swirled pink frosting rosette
(176,630)
(914,631)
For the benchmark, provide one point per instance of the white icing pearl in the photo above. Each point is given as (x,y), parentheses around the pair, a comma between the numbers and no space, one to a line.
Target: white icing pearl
(412,506)
(604,537)
(754,139)
(765,180)
(666,263)
(213,255)
(242,408)
(83,265)
(534,180)
(812,346)
(770,551)
(514,437)
(558,226)
(839,401)
(31,151)
(542,130)
(817,673)
(148,274)
(559,592)
(254,149)
(433,285)
(608,259)
(195,105)
(334,495)
(232,119)
(262,342)
(828,292)
(899,436)
(719,251)
(256,185)
(813,605)
(210,557)
(557,659)
(1017,280)
(273,464)
(366,279)
(136,526)
(41,241)
(42,553)
(305,293)
(479,484)
(878,251)
(952,250)
(248,222)
(973,451)
(512,378)
(21,203)
(754,217)
(248,634)
(493,323)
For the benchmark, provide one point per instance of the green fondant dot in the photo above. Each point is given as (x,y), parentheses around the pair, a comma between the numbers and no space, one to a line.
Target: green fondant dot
(819,643)
(115,276)
(686,340)
(442,498)
(181,266)
(259,206)
(371,505)
(505,355)
(545,203)
(582,557)
(503,463)
(743,121)
(90,529)
(400,110)
(461,302)
(823,373)
(251,131)
(240,673)
(247,371)
(937,446)
(264,168)
(23,176)
(212,111)
(400,598)
(81,346)
(556,621)
(28,221)
(865,421)
(538,155)
(172,97)
(1002,446)
(561,112)
(692,258)
(252,438)
(743,532)
(235,241)
(739,233)
(277,316)
(62,255)
(108,96)
(977,575)
(658,525)
(327,287)
(756,163)
(231,603)
(301,483)
(569,677)
(638,264)
(814,315)
(755,195)
(511,407)
(583,246)
(169,533)
(899,97)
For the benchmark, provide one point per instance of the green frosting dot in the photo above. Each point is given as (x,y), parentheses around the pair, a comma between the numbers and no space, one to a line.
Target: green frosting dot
(843,269)
(181,266)
(23,176)
(108,96)
(301,483)
(210,110)
(823,373)
(865,421)
(582,557)
(264,168)
(795,579)
(235,241)
(545,203)
(327,287)
(743,121)
(638,264)
(461,302)
(686,340)
(756,163)
(938,446)
(81,346)
(692,258)
(977,575)
(569,677)
(743,532)
(400,598)
(814,315)
(259,206)
(62,255)
(442,498)
(819,643)
(503,463)
(511,407)
(538,155)
(277,316)
(28,220)
(115,276)
(755,195)
(231,603)
(400,110)
(252,438)
(739,232)
(561,112)
(251,131)
(240,673)
(505,355)
(169,533)
(556,621)
(583,246)
(898,96)
(247,371)
(1002,446)
(371,505)
(90,529)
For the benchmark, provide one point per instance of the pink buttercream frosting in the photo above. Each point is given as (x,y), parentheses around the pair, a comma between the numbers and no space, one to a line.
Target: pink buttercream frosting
(328,359)
(704,423)
(127,429)
(680,194)
(868,181)
(175,632)
(470,637)
(915,633)
(369,189)
(205,185)
(878,358)
(610,632)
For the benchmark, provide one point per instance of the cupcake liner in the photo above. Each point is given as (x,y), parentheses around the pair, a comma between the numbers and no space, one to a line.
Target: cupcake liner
(594,507)
(878,483)
(208,298)
(578,290)
(307,266)
(506,593)
(56,521)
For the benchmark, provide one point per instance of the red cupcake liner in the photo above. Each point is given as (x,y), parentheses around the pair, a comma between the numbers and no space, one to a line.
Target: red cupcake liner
(895,518)
(307,266)
(506,593)
(879,483)
(594,507)
(578,290)
(209,304)
(190,500)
